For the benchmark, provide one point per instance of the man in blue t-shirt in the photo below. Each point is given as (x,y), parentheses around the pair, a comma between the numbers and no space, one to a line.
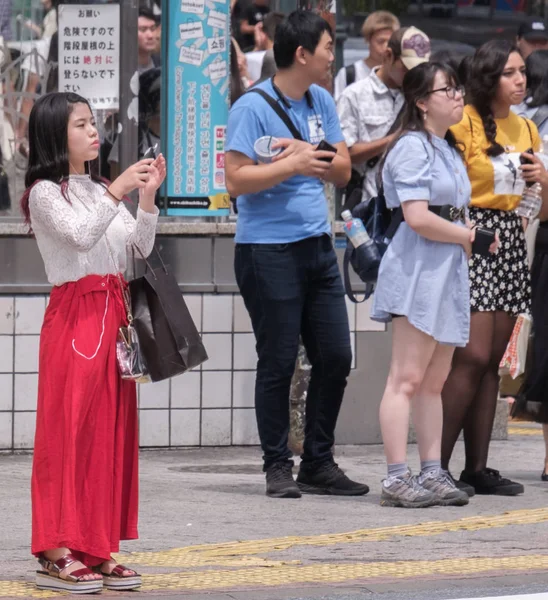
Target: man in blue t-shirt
(285,264)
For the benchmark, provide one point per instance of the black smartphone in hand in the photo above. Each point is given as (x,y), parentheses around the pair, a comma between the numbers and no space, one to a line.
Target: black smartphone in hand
(482,242)
(527,161)
(327,147)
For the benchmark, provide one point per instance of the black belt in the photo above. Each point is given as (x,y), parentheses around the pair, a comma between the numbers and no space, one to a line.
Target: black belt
(449,212)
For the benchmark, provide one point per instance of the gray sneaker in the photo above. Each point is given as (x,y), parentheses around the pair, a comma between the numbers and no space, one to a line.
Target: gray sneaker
(406,492)
(441,484)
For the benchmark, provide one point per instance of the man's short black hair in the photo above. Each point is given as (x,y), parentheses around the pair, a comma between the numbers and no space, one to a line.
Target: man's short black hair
(301,28)
(148,14)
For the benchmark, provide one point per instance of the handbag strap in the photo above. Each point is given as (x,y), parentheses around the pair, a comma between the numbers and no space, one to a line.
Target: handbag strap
(125,294)
(280,112)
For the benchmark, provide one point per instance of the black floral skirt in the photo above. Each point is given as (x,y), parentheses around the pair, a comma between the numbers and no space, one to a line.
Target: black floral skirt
(501,281)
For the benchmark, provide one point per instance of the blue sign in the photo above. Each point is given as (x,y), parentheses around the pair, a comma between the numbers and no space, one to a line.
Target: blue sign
(198,76)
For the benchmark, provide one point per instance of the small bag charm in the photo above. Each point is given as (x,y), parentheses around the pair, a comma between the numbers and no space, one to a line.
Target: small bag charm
(128,354)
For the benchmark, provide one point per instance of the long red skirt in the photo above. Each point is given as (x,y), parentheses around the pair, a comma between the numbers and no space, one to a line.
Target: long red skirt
(85,469)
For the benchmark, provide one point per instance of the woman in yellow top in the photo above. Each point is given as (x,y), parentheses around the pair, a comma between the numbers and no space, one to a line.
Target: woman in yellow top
(493,140)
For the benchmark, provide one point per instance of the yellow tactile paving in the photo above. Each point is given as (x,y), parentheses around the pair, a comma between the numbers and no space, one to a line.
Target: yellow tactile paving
(16,589)
(247,568)
(242,553)
(337,572)
(516,430)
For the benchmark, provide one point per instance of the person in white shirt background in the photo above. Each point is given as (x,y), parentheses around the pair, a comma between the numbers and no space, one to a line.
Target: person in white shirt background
(368,109)
(376,31)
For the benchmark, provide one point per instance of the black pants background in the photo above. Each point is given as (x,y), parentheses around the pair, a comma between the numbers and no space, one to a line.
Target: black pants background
(535,388)
(293,290)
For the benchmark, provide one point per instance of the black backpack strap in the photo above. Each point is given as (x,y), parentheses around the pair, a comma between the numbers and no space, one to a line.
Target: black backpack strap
(369,288)
(541,116)
(350,74)
(279,111)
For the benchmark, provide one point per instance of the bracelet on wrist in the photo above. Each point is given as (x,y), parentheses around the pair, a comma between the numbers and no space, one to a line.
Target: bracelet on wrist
(113,196)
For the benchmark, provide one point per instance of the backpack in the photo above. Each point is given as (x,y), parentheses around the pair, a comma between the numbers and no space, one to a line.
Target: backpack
(381,224)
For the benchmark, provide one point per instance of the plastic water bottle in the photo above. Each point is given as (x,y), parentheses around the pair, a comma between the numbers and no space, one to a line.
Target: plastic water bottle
(355,230)
(530,203)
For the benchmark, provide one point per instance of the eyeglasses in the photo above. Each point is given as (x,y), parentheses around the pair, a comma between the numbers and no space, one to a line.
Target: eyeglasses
(450,90)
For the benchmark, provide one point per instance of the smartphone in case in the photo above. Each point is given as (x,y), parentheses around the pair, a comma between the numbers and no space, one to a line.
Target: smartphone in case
(482,242)
(527,161)
(327,147)
(150,152)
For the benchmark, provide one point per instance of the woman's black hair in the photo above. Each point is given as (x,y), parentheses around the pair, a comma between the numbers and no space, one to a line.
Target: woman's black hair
(537,78)
(447,57)
(48,143)
(417,83)
(463,70)
(483,82)
(236,85)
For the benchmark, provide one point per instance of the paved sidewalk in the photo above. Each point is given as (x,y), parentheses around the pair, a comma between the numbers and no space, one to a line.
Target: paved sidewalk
(207,528)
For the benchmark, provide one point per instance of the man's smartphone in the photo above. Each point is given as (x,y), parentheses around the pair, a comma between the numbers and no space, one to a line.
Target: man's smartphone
(327,147)
(482,242)
(150,152)
(527,161)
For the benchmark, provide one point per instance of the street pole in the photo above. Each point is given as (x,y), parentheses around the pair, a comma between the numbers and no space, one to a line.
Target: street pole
(129,83)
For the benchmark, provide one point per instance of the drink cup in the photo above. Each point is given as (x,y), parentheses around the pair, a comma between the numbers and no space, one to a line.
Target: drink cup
(263,148)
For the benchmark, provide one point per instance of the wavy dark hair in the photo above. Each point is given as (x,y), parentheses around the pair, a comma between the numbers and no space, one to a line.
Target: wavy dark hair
(484,75)
(537,78)
(417,83)
(48,145)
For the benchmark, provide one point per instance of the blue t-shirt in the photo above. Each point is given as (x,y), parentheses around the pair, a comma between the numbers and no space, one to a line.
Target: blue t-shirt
(296,208)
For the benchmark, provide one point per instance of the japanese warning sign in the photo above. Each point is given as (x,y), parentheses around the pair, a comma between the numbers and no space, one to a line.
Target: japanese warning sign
(89,52)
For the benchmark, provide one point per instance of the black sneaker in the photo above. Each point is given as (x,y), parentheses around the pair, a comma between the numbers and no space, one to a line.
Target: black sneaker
(461,485)
(280,482)
(328,479)
(490,482)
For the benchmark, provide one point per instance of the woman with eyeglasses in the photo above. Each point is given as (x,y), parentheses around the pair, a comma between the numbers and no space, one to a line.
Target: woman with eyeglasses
(498,150)
(423,283)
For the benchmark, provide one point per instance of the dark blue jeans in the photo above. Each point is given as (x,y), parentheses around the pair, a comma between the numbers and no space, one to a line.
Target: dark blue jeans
(291,291)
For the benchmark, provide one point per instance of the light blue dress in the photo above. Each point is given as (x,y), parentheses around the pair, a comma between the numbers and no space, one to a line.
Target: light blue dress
(423,280)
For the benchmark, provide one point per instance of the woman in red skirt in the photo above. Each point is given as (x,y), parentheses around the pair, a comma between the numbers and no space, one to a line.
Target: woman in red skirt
(85,472)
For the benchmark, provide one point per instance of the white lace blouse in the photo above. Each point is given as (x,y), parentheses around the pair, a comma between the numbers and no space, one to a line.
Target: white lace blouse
(71,235)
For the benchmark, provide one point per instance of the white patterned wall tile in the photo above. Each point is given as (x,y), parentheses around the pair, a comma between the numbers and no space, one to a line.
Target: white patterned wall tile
(6,391)
(24,426)
(185,427)
(217,313)
(244,428)
(216,426)
(6,315)
(153,428)
(25,395)
(194,305)
(27,353)
(6,353)
(351,310)
(243,389)
(29,314)
(219,350)
(185,390)
(6,426)
(242,322)
(154,395)
(363,322)
(245,355)
(217,389)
